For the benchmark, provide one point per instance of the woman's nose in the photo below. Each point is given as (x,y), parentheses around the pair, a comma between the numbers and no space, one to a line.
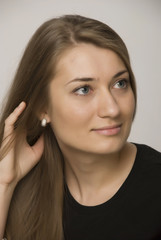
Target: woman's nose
(107,105)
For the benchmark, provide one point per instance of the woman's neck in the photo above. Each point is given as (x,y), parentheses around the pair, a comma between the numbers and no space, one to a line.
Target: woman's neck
(93,179)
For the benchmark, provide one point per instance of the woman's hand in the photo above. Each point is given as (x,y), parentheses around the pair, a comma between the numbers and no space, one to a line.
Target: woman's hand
(22,157)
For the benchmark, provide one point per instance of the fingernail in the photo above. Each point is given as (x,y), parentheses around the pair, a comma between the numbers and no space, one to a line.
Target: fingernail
(20,104)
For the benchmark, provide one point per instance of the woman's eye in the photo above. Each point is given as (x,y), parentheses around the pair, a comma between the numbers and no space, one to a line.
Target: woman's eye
(121,84)
(82,90)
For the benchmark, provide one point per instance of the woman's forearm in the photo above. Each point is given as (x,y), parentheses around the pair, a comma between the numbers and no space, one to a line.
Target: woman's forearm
(6,193)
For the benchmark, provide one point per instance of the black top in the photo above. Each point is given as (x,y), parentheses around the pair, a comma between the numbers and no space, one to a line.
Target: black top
(133,213)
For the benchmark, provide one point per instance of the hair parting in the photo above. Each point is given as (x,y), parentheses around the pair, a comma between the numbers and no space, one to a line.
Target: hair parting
(37,203)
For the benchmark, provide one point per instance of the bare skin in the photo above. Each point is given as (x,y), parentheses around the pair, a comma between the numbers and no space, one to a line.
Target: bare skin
(91,133)
(92,183)
(94,92)
(16,164)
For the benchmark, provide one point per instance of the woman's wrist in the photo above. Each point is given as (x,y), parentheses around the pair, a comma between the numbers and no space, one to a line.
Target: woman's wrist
(6,193)
(7,188)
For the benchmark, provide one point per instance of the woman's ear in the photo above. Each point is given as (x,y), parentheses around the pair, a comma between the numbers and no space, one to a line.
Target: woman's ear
(44,115)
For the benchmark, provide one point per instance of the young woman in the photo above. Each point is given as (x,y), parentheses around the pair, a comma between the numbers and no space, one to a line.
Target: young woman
(66,169)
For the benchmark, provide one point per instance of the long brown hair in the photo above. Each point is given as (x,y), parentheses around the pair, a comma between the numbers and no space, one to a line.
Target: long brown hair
(36,209)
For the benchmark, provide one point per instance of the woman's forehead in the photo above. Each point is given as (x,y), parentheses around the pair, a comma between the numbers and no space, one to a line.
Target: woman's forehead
(86,58)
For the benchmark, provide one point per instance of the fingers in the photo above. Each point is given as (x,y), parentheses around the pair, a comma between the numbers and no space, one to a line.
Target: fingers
(10,121)
(31,155)
(38,148)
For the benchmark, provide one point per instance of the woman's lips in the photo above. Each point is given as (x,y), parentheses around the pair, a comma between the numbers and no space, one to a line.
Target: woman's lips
(109,130)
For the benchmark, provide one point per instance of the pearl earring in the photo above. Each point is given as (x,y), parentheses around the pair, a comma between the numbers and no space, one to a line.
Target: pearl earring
(43,122)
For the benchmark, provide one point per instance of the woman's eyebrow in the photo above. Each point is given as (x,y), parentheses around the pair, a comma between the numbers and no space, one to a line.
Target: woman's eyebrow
(83,79)
(90,79)
(120,73)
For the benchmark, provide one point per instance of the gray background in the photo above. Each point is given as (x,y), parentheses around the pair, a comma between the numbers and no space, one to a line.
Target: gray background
(137,22)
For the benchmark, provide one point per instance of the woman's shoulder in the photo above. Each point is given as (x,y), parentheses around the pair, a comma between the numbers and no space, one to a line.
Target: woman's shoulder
(148,156)
(146,171)
(147,150)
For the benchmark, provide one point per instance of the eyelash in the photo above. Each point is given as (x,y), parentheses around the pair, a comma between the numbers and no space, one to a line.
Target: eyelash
(126,81)
(81,87)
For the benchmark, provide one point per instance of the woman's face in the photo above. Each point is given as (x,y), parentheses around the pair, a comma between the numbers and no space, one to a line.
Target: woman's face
(91,101)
